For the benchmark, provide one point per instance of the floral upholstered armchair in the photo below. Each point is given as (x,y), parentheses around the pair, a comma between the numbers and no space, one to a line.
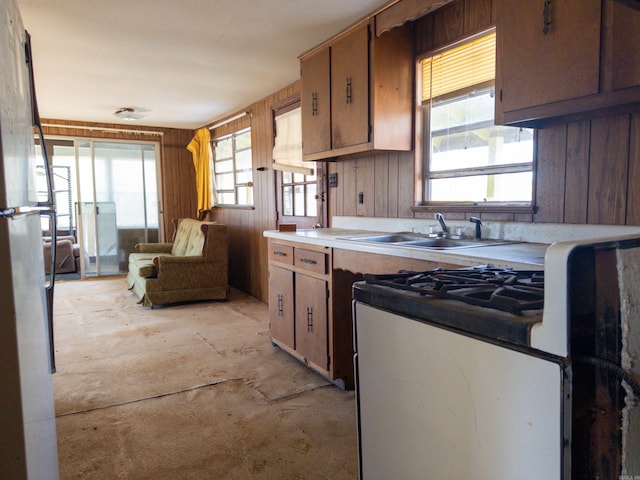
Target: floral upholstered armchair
(193,267)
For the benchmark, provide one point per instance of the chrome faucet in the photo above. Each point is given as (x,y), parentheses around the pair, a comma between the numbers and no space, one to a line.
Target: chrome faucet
(443,225)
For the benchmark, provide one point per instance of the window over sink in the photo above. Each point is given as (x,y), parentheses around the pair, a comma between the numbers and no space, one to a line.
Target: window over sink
(467,158)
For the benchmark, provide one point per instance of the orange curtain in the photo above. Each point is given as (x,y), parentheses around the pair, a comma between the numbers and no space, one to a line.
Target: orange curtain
(200,148)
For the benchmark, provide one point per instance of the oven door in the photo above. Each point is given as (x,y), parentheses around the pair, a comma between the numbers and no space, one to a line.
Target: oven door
(433,404)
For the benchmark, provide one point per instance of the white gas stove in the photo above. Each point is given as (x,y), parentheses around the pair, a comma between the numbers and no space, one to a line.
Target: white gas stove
(476,377)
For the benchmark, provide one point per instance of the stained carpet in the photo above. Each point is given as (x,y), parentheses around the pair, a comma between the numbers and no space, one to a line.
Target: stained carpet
(191,391)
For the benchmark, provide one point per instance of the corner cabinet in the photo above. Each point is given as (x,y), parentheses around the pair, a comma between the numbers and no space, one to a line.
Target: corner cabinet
(565,60)
(309,311)
(357,94)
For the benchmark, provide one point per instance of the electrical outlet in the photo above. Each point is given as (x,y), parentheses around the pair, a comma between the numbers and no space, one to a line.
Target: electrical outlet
(333,180)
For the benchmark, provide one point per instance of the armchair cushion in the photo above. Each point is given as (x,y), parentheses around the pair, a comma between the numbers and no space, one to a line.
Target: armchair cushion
(192,267)
(154,247)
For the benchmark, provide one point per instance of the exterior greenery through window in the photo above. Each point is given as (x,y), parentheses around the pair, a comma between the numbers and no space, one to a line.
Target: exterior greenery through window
(232,169)
(467,157)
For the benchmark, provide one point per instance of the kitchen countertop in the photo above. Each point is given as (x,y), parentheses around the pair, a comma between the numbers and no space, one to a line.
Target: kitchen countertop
(519,256)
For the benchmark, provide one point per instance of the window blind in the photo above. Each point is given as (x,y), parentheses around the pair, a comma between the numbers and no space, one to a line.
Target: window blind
(469,64)
(287,151)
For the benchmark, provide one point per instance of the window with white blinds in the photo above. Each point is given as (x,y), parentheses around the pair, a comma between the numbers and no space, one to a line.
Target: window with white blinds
(467,158)
(469,64)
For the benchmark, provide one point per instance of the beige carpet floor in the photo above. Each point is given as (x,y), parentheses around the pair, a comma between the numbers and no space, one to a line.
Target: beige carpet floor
(189,392)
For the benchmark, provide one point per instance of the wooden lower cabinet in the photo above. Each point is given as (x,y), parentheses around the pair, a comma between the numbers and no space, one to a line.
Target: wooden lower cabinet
(310,309)
(281,305)
(311,339)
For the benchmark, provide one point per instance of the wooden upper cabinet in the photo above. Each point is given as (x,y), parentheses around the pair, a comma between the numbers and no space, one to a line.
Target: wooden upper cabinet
(572,70)
(350,89)
(625,39)
(370,79)
(316,102)
(538,68)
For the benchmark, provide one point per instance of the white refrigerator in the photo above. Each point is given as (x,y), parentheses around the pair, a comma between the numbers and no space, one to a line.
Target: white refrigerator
(28,448)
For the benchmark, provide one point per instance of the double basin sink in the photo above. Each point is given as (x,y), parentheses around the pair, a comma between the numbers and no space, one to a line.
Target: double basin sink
(409,239)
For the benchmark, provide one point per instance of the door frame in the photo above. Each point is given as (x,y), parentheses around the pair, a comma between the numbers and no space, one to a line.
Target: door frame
(302,222)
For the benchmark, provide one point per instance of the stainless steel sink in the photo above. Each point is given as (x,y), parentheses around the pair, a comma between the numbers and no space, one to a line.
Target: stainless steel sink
(415,240)
(389,238)
(445,243)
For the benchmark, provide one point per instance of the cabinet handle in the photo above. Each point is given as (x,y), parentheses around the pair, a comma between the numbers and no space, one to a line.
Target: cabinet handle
(278,253)
(280,305)
(314,104)
(308,260)
(545,15)
(349,96)
(309,319)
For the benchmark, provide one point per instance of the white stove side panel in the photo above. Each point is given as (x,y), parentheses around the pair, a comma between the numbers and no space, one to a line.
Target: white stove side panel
(437,405)
(552,334)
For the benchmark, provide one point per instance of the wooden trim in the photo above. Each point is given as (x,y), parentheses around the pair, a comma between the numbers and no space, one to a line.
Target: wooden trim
(235,207)
(228,119)
(286,105)
(361,262)
(123,130)
(404,11)
(593,106)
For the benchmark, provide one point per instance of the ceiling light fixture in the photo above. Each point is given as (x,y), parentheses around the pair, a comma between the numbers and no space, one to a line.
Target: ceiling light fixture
(130,113)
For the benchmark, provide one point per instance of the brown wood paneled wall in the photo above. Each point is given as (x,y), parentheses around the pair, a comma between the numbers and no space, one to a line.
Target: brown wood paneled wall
(586,171)
(178,178)
(176,164)
(451,23)
(385,181)
(248,269)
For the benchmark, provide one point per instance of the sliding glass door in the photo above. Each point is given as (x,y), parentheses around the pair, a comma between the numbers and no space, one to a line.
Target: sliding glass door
(107,198)
(118,202)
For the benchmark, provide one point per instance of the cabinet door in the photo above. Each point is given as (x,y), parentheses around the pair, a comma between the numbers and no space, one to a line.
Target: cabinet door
(350,89)
(281,310)
(625,33)
(311,319)
(535,68)
(316,103)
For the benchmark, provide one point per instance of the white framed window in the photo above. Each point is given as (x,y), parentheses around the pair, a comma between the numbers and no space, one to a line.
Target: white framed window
(467,158)
(298,180)
(299,195)
(233,168)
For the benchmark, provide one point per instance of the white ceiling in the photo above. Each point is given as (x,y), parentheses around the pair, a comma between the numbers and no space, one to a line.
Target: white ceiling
(188,62)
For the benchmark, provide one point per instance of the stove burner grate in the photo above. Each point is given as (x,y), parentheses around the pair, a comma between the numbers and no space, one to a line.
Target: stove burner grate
(504,289)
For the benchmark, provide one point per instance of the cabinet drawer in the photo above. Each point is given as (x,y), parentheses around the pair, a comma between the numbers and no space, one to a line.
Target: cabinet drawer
(281,253)
(311,260)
